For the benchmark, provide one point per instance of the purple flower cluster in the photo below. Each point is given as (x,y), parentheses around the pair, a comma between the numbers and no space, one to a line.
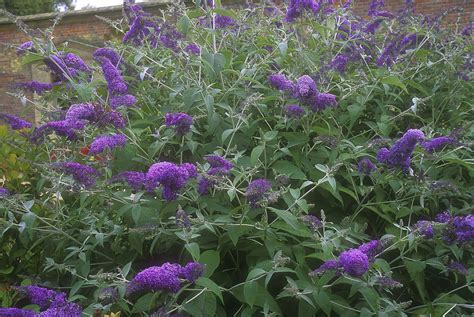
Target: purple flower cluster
(258,191)
(340,62)
(193,48)
(66,66)
(219,167)
(135,180)
(294,111)
(4,192)
(222,21)
(313,222)
(438,143)
(375,7)
(453,229)
(400,153)
(354,262)
(393,49)
(14,122)
(35,86)
(180,121)
(296,8)
(305,90)
(25,47)
(103,142)
(366,166)
(17,312)
(166,277)
(116,86)
(82,174)
(52,303)
(170,176)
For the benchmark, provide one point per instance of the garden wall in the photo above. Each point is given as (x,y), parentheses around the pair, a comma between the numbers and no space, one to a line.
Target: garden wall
(85,32)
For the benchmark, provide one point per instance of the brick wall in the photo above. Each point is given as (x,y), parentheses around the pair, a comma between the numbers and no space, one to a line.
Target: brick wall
(84,31)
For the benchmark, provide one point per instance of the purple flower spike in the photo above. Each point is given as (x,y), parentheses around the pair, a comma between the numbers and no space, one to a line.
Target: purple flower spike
(219,165)
(109,54)
(371,248)
(222,21)
(306,89)
(122,100)
(41,296)
(17,312)
(35,86)
(257,191)
(4,192)
(354,262)
(180,121)
(81,111)
(193,49)
(170,176)
(400,153)
(280,82)
(192,271)
(458,268)
(103,142)
(438,143)
(330,265)
(339,63)
(313,222)
(157,278)
(296,8)
(324,101)
(366,166)
(136,180)
(25,47)
(14,122)
(66,310)
(425,228)
(83,174)
(294,111)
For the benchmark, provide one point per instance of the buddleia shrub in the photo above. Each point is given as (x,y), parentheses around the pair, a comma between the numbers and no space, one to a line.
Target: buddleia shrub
(277,161)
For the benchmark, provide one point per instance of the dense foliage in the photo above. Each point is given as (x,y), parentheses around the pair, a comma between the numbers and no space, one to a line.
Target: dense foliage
(26,7)
(245,163)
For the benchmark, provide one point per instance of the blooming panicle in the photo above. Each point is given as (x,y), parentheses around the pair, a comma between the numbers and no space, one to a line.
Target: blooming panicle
(113,118)
(425,228)
(170,176)
(75,62)
(109,54)
(219,165)
(257,191)
(305,89)
(400,153)
(438,143)
(82,174)
(340,62)
(387,282)
(354,262)
(458,268)
(294,111)
(41,296)
(68,309)
(4,192)
(323,101)
(14,122)
(443,217)
(164,278)
(136,180)
(182,219)
(371,248)
(81,111)
(365,166)
(122,100)
(17,312)
(180,121)
(280,82)
(192,271)
(193,48)
(329,265)
(67,128)
(25,47)
(296,8)
(467,30)
(35,86)
(66,65)
(223,21)
(104,142)
(313,222)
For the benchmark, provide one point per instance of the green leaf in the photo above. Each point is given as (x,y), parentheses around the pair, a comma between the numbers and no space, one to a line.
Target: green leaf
(193,249)
(322,299)
(394,81)
(144,303)
(289,169)
(256,152)
(212,259)
(227,13)
(289,218)
(211,285)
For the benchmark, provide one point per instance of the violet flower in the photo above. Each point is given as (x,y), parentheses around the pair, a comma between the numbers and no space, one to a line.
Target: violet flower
(170,176)
(366,166)
(35,86)
(82,174)
(294,111)
(180,121)
(103,142)
(136,180)
(296,8)
(400,153)
(438,143)
(257,191)
(14,122)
